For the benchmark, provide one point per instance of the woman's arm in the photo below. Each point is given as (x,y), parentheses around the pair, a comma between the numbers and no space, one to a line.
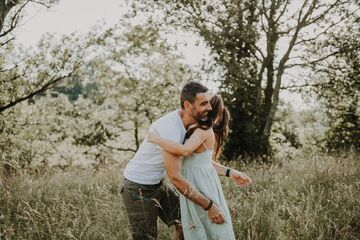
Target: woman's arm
(239,178)
(175,148)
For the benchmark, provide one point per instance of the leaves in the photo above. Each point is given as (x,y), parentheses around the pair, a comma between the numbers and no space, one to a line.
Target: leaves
(254,43)
(103,108)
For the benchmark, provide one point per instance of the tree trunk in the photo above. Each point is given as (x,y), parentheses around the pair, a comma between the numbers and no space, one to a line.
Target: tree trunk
(5,7)
(272,38)
(136,127)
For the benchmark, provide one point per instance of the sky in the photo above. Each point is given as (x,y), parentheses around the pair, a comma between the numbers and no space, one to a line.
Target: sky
(67,16)
(80,15)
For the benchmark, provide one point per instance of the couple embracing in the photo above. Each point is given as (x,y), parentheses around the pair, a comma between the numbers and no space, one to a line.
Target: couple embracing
(183,144)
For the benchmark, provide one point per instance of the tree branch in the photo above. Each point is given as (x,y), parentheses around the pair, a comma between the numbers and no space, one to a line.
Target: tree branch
(41,3)
(328,28)
(119,149)
(6,42)
(14,20)
(320,16)
(306,85)
(312,62)
(7,70)
(282,12)
(258,50)
(42,89)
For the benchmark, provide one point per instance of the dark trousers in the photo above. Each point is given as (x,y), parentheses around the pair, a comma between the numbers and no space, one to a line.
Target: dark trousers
(145,203)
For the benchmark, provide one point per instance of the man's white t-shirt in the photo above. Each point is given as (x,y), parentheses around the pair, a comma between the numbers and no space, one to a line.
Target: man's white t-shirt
(147,167)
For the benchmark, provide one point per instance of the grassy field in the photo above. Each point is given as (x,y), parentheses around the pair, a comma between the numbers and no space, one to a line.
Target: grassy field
(302,197)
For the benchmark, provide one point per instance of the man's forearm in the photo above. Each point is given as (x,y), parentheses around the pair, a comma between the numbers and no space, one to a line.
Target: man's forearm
(186,189)
(173,167)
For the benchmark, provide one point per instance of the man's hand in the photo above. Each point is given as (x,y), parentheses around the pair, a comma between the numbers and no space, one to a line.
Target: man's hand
(215,215)
(173,168)
(239,178)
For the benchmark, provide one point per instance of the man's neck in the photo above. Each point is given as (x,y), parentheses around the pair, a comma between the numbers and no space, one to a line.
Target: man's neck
(187,119)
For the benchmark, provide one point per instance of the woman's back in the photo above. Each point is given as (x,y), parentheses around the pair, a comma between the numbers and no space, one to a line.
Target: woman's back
(202,156)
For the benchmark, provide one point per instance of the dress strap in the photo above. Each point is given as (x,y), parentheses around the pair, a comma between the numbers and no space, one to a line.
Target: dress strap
(201,141)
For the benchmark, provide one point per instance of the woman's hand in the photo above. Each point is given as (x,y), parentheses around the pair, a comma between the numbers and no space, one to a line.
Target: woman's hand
(152,136)
(240,178)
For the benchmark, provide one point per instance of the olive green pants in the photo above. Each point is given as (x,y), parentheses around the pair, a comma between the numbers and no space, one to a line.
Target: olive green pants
(145,203)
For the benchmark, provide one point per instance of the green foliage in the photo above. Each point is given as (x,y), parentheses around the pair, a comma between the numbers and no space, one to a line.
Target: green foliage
(74,88)
(286,129)
(28,72)
(246,39)
(337,85)
(230,31)
(96,134)
(103,109)
(344,131)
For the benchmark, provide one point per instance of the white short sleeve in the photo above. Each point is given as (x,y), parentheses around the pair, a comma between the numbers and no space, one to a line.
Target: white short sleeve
(147,165)
(170,127)
(167,131)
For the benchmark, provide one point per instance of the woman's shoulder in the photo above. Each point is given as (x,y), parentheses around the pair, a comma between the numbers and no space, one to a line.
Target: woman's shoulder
(204,133)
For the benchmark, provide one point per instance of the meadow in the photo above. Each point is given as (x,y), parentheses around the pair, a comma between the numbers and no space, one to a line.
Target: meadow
(76,104)
(300,196)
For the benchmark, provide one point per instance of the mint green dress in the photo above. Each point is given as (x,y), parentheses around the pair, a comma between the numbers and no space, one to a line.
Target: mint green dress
(199,171)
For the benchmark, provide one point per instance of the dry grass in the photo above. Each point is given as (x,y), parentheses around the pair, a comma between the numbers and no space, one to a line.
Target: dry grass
(306,197)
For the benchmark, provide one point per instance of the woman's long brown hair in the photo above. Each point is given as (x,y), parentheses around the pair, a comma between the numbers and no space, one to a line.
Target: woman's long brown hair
(218,119)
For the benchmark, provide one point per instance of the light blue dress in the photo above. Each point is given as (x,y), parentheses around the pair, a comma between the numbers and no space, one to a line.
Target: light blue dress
(200,172)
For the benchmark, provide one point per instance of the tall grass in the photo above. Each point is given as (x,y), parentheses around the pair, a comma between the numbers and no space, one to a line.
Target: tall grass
(65,205)
(306,197)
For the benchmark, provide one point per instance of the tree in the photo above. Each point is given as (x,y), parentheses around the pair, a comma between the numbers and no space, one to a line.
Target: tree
(141,80)
(336,83)
(245,38)
(104,108)
(24,74)
(27,73)
(344,130)
(11,12)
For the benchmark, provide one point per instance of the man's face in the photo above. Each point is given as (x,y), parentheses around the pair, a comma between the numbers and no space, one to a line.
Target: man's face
(201,106)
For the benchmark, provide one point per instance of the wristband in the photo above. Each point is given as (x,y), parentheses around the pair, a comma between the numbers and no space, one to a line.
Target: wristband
(209,206)
(227,172)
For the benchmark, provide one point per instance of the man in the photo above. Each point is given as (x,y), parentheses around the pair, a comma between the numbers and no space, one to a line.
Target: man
(146,196)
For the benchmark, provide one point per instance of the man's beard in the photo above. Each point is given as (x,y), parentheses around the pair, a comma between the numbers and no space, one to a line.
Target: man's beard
(200,117)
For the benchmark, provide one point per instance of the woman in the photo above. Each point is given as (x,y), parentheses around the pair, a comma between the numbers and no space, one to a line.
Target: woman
(204,142)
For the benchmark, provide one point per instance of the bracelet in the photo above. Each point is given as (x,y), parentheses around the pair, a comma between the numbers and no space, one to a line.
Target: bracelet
(209,206)
(227,172)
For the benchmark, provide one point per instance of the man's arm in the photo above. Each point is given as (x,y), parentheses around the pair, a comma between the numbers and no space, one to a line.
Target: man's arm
(173,167)
(176,148)
(239,178)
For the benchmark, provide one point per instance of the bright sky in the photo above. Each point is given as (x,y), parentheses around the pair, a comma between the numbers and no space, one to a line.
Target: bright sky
(80,15)
(68,16)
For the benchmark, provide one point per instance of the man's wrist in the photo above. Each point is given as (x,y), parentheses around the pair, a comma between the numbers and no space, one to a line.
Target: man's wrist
(209,205)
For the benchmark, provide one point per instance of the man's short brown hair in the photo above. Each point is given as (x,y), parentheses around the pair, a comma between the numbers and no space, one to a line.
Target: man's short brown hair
(189,92)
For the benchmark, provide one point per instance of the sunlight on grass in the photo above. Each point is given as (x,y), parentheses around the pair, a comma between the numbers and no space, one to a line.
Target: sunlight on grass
(307,197)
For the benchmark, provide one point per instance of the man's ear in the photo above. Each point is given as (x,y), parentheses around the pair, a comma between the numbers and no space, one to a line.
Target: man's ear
(187,104)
